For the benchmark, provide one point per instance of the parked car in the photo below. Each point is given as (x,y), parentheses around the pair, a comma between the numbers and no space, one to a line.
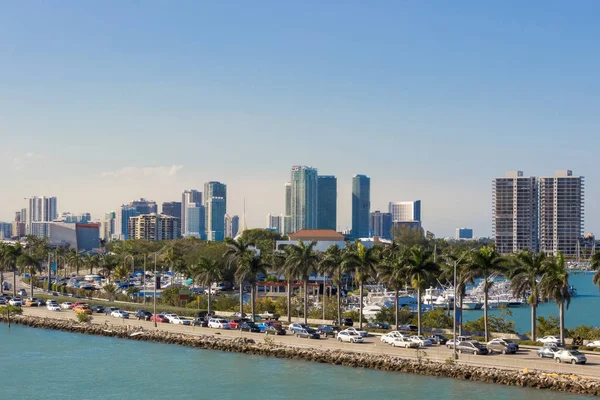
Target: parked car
(275,330)
(77,304)
(53,306)
(2,301)
(378,325)
(500,346)
(97,309)
(66,305)
(472,346)
(420,340)
(16,301)
(595,343)
(249,327)
(218,323)
(389,337)
(438,339)
(403,341)
(238,315)
(328,330)
(82,309)
(109,310)
(205,314)
(177,320)
(120,314)
(296,325)
(269,315)
(570,356)
(200,322)
(22,292)
(31,302)
(358,332)
(235,323)
(408,328)
(143,314)
(159,318)
(346,322)
(511,342)
(307,333)
(549,339)
(349,336)
(450,343)
(547,351)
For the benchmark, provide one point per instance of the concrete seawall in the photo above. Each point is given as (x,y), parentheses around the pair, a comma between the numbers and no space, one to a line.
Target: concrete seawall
(532,379)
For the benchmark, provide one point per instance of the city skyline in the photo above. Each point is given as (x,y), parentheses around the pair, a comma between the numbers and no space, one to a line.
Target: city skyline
(297,84)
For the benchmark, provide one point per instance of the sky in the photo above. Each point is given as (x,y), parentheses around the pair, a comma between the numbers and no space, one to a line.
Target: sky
(105,102)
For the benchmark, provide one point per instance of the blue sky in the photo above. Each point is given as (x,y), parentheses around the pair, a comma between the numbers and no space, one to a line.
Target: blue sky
(103,102)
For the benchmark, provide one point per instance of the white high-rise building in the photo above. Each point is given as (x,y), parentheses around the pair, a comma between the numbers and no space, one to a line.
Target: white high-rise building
(275,222)
(232,225)
(188,199)
(41,211)
(515,213)
(561,213)
(405,211)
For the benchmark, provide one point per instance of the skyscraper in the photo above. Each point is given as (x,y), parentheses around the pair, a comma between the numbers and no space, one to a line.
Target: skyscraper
(327,202)
(41,211)
(515,213)
(215,222)
(196,221)
(124,214)
(303,198)
(287,215)
(275,222)
(172,208)
(188,197)
(561,213)
(405,211)
(144,206)
(381,225)
(361,206)
(232,225)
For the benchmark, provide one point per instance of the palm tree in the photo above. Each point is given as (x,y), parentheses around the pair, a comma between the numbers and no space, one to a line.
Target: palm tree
(484,263)
(281,268)
(595,264)
(207,272)
(419,269)
(91,261)
(10,257)
(523,280)
(174,259)
(555,285)
(31,265)
(235,252)
(121,273)
(362,261)
(248,270)
(75,260)
(391,271)
(109,264)
(302,261)
(332,264)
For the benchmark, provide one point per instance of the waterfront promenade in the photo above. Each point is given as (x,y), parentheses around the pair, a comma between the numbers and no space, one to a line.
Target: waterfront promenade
(525,359)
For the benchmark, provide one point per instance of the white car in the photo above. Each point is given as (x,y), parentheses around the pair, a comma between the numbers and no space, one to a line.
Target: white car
(549,339)
(16,301)
(119,314)
(357,332)
(350,337)
(420,340)
(218,323)
(178,320)
(52,306)
(66,305)
(595,343)
(389,337)
(401,341)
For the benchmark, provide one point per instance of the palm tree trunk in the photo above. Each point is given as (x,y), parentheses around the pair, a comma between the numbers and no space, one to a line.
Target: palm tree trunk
(339,305)
(289,300)
(306,301)
(419,309)
(15,282)
(252,289)
(396,306)
(209,290)
(324,300)
(360,306)
(561,315)
(485,311)
(31,281)
(533,321)
(241,300)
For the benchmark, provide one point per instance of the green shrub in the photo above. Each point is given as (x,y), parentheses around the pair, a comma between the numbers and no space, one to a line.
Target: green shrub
(84,318)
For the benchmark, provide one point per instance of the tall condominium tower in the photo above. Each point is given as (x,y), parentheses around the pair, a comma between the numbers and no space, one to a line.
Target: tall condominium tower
(326,202)
(144,206)
(124,213)
(287,215)
(381,225)
(561,212)
(361,206)
(405,211)
(153,227)
(215,221)
(303,198)
(41,211)
(196,221)
(275,222)
(215,210)
(232,225)
(515,213)
(188,197)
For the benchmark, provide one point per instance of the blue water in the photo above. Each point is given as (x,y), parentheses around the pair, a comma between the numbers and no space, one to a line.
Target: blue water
(42,364)
(584,308)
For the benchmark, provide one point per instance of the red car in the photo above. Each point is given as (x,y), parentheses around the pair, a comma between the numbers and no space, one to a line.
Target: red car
(235,323)
(77,304)
(159,318)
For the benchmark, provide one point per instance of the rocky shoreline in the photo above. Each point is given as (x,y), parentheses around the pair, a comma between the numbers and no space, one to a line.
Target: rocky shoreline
(537,380)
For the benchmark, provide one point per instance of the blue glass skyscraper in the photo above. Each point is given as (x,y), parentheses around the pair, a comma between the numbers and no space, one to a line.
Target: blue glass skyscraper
(361,206)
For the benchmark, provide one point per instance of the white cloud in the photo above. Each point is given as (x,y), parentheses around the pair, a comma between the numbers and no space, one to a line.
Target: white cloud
(21,161)
(136,172)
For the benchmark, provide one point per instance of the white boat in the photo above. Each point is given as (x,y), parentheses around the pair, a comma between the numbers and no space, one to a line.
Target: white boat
(472,304)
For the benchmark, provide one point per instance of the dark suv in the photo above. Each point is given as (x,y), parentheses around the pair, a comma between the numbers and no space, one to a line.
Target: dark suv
(328,330)
(346,322)
(143,314)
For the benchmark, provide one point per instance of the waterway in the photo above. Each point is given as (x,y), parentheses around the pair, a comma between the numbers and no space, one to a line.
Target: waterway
(44,364)
(583,309)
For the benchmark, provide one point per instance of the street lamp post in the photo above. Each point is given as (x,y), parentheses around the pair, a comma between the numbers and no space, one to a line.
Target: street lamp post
(455,298)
